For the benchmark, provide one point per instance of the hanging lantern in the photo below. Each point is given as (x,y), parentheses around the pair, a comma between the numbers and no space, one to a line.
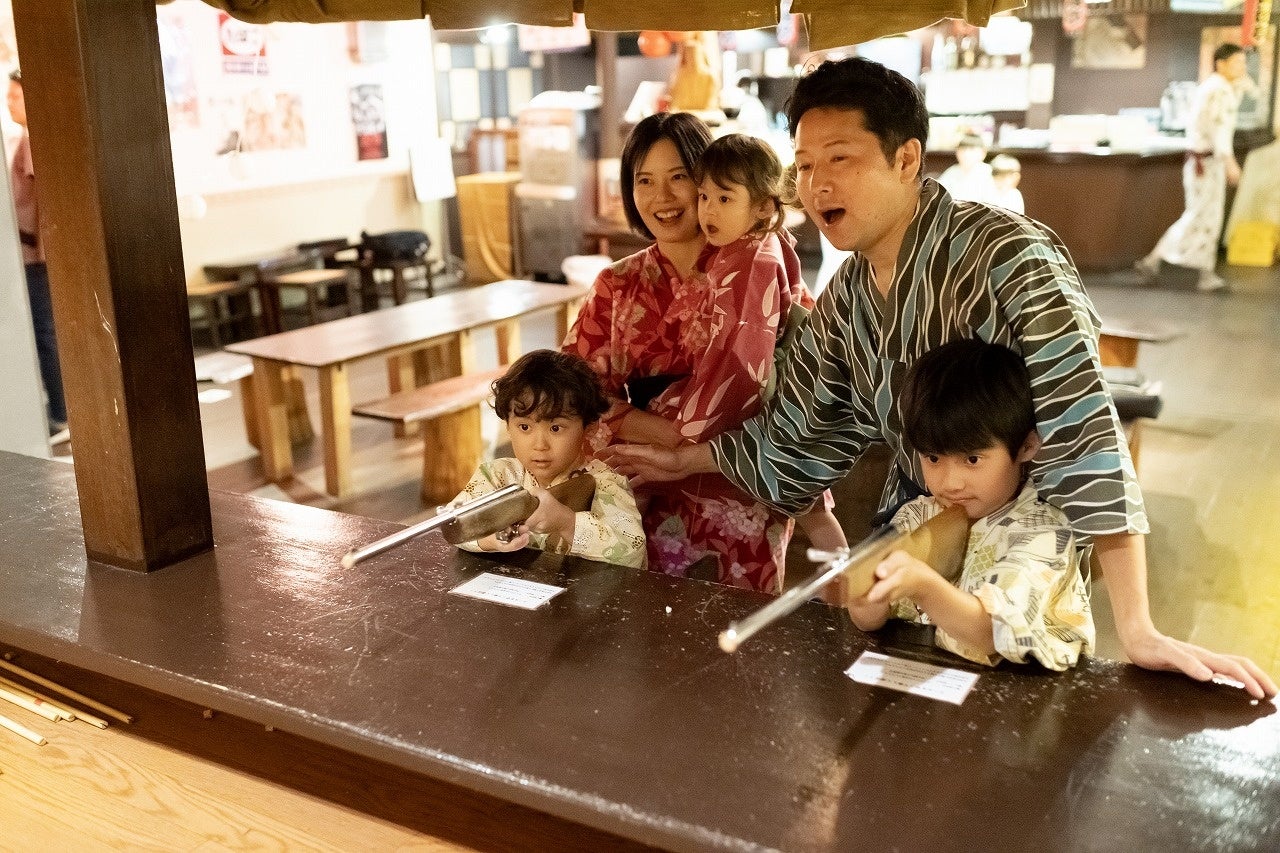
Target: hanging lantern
(654,43)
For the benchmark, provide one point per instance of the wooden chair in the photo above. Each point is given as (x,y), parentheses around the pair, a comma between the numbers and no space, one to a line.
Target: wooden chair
(224,304)
(449,412)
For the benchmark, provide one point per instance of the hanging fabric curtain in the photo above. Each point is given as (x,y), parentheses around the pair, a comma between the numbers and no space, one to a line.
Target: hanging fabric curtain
(832,23)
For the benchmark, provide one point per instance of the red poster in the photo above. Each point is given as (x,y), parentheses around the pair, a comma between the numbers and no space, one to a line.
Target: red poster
(244,46)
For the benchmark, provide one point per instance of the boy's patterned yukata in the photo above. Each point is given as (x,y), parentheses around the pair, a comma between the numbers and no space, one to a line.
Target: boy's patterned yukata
(1023,565)
(609,532)
(716,331)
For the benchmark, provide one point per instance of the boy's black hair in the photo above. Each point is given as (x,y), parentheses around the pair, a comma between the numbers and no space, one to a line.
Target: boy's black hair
(966,395)
(749,162)
(687,132)
(549,384)
(1226,50)
(892,107)
(16,76)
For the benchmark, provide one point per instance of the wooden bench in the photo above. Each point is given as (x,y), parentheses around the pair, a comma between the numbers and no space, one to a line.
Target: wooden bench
(315,285)
(449,412)
(223,304)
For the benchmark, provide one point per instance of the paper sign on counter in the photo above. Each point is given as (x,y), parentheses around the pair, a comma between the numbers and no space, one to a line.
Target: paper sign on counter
(920,679)
(512,592)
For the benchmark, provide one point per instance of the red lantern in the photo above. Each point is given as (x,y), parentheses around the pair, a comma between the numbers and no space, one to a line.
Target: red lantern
(654,43)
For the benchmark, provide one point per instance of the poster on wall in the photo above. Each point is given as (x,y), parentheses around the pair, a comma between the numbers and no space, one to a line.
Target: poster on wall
(244,46)
(259,121)
(1111,41)
(369,118)
(1256,98)
(179,72)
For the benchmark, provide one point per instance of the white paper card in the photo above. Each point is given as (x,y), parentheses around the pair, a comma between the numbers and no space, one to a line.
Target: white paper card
(512,592)
(920,679)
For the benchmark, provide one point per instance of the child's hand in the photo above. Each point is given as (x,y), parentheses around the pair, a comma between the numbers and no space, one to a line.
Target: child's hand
(498,542)
(901,575)
(551,517)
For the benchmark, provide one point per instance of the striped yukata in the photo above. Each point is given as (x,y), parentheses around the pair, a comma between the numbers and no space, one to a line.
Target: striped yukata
(965,270)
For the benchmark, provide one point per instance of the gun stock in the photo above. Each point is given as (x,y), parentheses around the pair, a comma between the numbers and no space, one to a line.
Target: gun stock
(939,542)
(487,514)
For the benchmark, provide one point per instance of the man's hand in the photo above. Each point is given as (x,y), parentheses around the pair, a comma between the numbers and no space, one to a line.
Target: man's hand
(647,428)
(642,463)
(1150,649)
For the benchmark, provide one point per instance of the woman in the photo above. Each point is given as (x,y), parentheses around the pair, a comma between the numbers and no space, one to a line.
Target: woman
(645,328)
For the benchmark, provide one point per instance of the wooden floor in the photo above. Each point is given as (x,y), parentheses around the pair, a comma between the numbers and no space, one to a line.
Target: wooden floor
(1210,471)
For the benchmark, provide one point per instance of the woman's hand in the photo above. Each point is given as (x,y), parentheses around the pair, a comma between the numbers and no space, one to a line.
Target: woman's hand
(640,427)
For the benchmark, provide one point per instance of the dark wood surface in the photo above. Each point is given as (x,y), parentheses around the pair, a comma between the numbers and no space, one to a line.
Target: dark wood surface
(100,144)
(390,329)
(1108,209)
(606,708)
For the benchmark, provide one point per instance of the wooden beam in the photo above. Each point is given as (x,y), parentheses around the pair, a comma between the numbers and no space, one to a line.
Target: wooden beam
(104,174)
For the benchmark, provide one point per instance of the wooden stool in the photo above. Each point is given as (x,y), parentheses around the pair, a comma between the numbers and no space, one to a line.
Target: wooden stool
(449,411)
(224,303)
(314,283)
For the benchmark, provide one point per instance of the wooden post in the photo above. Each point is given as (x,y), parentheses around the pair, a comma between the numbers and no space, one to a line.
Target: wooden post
(104,176)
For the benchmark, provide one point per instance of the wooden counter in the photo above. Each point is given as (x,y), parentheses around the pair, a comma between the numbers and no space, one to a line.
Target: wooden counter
(1108,208)
(612,707)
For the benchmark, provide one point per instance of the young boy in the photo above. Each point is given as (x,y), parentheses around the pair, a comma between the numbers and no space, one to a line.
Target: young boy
(740,210)
(966,410)
(548,399)
(1006,172)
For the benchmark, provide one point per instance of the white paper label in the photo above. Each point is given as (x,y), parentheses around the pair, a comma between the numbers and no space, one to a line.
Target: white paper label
(920,679)
(512,592)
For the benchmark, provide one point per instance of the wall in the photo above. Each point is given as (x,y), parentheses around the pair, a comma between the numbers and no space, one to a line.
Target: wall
(264,147)
(1173,53)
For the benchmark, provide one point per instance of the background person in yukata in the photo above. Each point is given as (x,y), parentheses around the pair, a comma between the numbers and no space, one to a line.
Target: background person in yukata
(644,328)
(926,270)
(1211,164)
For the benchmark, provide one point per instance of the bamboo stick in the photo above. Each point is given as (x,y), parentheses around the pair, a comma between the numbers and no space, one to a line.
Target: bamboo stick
(66,710)
(33,705)
(66,691)
(22,731)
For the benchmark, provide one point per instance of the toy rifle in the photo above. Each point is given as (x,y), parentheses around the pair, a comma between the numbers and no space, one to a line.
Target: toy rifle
(939,542)
(491,513)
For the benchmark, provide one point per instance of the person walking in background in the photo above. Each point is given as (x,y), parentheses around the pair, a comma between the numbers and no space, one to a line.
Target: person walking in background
(1211,164)
(23,180)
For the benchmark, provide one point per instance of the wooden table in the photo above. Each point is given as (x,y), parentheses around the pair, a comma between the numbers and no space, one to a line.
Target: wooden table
(331,348)
(612,707)
(1120,337)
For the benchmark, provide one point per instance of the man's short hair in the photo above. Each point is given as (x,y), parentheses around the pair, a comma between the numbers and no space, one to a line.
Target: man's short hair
(16,76)
(971,140)
(688,133)
(892,107)
(967,395)
(550,384)
(1226,50)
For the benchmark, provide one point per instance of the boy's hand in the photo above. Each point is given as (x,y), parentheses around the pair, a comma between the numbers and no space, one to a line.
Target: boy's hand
(901,575)
(551,517)
(497,542)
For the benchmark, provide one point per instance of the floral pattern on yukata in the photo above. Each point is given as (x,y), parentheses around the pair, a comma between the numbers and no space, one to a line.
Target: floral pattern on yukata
(715,331)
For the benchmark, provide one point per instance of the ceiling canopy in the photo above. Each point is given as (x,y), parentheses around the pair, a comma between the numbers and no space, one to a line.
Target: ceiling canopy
(832,23)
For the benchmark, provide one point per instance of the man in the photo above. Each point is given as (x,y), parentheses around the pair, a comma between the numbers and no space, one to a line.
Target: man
(926,270)
(1211,164)
(22,179)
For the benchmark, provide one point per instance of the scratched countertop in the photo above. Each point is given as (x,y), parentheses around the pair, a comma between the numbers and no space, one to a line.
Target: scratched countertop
(605,708)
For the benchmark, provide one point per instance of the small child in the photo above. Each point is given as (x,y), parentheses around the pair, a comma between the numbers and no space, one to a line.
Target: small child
(967,411)
(1006,171)
(740,209)
(970,178)
(548,399)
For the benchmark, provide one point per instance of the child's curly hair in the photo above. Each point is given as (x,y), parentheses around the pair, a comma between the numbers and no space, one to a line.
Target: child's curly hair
(549,384)
(749,162)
